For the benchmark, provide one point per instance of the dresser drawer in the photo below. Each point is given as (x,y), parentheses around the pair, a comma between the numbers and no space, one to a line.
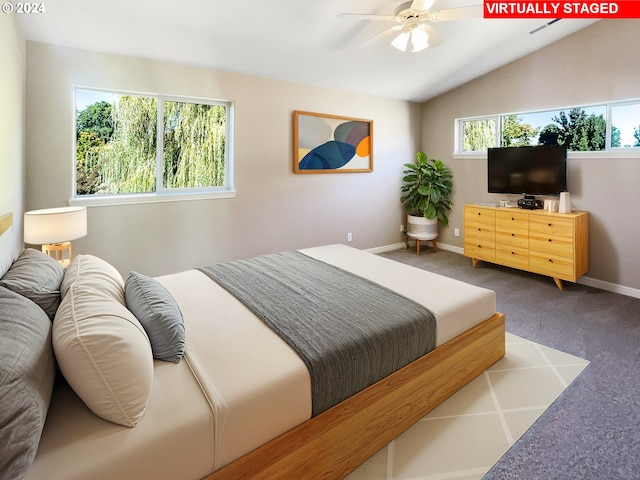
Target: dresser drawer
(512,229)
(480,251)
(513,257)
(479,228)
(551,225)
(552,245)
(512,239)
(552,265)
(480,235)
(479,219)
(512,221)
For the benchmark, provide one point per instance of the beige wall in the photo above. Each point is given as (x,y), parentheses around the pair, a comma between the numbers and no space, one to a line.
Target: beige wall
(274,209)
(596,64)
(12,122)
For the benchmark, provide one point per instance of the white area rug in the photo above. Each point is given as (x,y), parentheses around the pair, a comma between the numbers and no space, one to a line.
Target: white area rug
(466,435)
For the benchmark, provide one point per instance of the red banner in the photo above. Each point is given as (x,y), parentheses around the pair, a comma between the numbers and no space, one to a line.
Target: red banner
(561,9)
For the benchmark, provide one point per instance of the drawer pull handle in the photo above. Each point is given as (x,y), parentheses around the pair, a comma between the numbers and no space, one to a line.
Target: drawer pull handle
(549,239)
(550,225)
(479,246)
(513,219)
(513,234)
(550,260)
(512,253)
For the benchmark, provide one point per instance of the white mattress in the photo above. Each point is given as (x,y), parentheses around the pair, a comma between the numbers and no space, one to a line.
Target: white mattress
(238,386)
(258,387)
(173,440)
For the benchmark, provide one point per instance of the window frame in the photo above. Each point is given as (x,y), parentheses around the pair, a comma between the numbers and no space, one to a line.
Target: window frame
(609,151)
(162,193)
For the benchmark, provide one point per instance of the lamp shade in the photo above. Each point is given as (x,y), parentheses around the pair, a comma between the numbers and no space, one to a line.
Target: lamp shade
(55,225)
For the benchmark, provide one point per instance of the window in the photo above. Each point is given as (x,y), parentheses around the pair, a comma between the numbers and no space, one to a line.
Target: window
(625,125)
(149,147)
(479,134)
(586,129)
(581,129)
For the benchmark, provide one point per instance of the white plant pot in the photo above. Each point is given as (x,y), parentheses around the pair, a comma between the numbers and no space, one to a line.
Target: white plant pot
(422,228)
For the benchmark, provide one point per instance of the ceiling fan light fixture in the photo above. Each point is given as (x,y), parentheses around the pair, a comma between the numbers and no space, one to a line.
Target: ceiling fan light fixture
(413,40)
(419,39)
(401,42)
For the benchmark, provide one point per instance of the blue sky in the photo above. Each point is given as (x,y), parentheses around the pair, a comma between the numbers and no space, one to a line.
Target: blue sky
(88,97)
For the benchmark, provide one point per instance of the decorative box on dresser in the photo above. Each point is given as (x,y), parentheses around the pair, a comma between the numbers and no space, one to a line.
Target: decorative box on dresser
(552,244)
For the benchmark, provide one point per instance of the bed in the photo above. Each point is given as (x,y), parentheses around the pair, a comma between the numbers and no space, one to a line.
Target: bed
(237,403)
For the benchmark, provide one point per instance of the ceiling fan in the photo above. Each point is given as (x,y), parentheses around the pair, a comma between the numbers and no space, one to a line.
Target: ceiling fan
(414,31)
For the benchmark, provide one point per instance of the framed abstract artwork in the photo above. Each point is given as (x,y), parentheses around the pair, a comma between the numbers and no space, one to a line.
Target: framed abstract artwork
(331,144)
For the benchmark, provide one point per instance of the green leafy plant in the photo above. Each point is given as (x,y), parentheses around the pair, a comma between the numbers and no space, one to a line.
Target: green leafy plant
(427,188)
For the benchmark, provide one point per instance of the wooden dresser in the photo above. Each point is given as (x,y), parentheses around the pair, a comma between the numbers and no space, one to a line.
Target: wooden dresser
(552,244)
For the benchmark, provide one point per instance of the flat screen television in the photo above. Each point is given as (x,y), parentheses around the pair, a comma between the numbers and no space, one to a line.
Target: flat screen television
(539,170)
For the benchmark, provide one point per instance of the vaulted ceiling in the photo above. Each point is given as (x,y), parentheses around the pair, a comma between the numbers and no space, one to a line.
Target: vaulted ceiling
(304,41)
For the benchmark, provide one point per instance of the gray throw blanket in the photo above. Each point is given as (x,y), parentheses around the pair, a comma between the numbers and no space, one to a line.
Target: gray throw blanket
(349,331)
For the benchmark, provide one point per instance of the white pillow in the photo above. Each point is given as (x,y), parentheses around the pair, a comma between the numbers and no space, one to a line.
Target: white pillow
(104,353)
(94,272)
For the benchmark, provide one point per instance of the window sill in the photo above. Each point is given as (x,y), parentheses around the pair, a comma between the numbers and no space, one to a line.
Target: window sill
(133,199)
(469,155)
(617,153)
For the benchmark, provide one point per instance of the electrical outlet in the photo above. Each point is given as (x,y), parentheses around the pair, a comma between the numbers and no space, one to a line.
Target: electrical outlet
(456,232)
(402,228)
(349,237)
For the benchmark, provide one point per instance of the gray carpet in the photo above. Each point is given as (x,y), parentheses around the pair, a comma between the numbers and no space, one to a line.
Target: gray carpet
(592,431)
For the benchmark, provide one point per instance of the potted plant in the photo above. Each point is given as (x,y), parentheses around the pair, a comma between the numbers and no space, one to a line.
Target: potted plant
(426,191)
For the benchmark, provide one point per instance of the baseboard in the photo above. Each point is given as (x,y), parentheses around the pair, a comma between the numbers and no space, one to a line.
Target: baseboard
(610,287)
(396,246)
(591,282)
(385,248)
(451,248)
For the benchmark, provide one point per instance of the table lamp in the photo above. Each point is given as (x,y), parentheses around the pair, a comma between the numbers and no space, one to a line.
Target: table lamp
(54,228)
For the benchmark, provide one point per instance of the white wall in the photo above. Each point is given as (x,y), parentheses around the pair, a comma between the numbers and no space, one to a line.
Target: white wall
(12,123)
(597,64)
(274,209)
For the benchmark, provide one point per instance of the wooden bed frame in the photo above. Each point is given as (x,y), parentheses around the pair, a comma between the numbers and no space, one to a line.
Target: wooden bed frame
(334,443)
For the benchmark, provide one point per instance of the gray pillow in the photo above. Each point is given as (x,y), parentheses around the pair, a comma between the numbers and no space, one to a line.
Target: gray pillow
(159,314)
(27,373)
(37,276)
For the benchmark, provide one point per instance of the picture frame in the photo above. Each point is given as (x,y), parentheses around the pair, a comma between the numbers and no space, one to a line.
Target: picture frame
(324,143)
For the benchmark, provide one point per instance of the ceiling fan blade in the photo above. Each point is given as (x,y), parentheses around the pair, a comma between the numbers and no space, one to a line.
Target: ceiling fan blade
(376,38)
(421,5)
(475,11)
(364,16)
